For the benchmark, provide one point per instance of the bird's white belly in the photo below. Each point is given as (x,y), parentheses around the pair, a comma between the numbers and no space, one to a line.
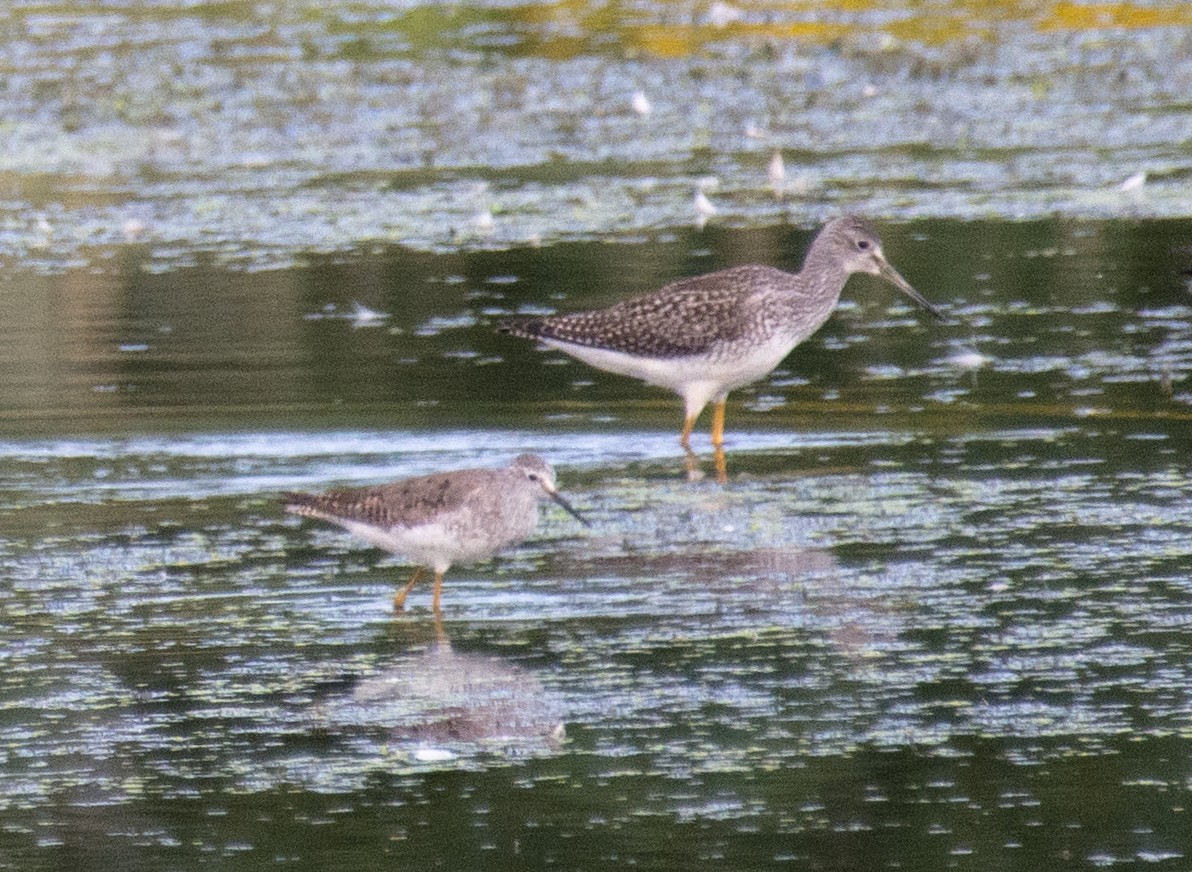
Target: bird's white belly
(458,537)
(720,373)
(430,544)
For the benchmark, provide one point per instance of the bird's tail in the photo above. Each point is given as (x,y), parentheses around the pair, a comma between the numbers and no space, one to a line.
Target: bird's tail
(526,328)
(306,505)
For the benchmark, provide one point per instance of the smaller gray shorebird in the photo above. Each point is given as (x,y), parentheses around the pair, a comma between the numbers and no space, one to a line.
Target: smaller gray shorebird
(441,519)
(704,336)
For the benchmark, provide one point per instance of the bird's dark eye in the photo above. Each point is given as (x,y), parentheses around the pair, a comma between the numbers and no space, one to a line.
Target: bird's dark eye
(863,244)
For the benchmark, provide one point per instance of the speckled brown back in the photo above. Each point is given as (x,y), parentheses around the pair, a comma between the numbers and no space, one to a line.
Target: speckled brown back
(408,503)
(683,318)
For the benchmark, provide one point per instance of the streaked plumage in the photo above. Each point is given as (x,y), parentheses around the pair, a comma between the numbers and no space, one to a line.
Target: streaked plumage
(441,519)
(704,336)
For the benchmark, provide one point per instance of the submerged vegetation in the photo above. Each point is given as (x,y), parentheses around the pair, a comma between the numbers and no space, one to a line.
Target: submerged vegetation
(254,132)
(937,617)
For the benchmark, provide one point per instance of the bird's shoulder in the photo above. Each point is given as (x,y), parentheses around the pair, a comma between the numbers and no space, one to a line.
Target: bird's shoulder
(734,283)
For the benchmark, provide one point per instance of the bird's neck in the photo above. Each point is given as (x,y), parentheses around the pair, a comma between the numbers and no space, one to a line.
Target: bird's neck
(818,290)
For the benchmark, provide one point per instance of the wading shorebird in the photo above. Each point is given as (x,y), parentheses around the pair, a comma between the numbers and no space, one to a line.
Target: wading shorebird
(704,336)
(441,519)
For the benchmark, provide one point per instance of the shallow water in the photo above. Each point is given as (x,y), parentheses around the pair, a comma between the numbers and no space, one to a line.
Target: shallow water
(256,133)
(937,617)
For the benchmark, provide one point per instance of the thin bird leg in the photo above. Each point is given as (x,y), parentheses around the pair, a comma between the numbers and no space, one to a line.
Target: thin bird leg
(399,599)
(718,423)
(720,464)
(435,602)
(685,436)
(440,633)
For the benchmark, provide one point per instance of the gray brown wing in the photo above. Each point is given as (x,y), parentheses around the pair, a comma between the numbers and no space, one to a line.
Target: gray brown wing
(682,318)
(407,503)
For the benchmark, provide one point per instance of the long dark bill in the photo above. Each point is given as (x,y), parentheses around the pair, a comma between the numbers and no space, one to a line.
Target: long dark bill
(570,509)
(891,275)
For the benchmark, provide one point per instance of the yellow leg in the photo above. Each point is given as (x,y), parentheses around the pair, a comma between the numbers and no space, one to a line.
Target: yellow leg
(721,465)
(399,599)
(438,590)
(718,423)
(685,436)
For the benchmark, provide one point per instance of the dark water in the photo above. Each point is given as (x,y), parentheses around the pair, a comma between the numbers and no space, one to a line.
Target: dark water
(937,618)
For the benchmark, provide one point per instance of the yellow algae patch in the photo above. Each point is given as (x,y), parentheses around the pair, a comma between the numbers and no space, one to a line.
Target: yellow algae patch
(1080,16)
(937,30)
(680,40)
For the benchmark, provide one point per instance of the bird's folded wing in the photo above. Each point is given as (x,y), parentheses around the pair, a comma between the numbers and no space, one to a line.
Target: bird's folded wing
(683,318)
(407,503)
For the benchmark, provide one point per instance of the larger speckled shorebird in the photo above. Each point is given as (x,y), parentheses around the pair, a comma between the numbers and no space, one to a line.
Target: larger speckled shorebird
(704,336)
(441,519)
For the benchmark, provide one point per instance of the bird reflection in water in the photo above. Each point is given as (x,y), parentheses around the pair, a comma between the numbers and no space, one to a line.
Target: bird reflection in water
(444,704)
(763,588)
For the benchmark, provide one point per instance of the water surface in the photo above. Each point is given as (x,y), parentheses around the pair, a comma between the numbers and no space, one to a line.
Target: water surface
(937,617)
(257,133)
